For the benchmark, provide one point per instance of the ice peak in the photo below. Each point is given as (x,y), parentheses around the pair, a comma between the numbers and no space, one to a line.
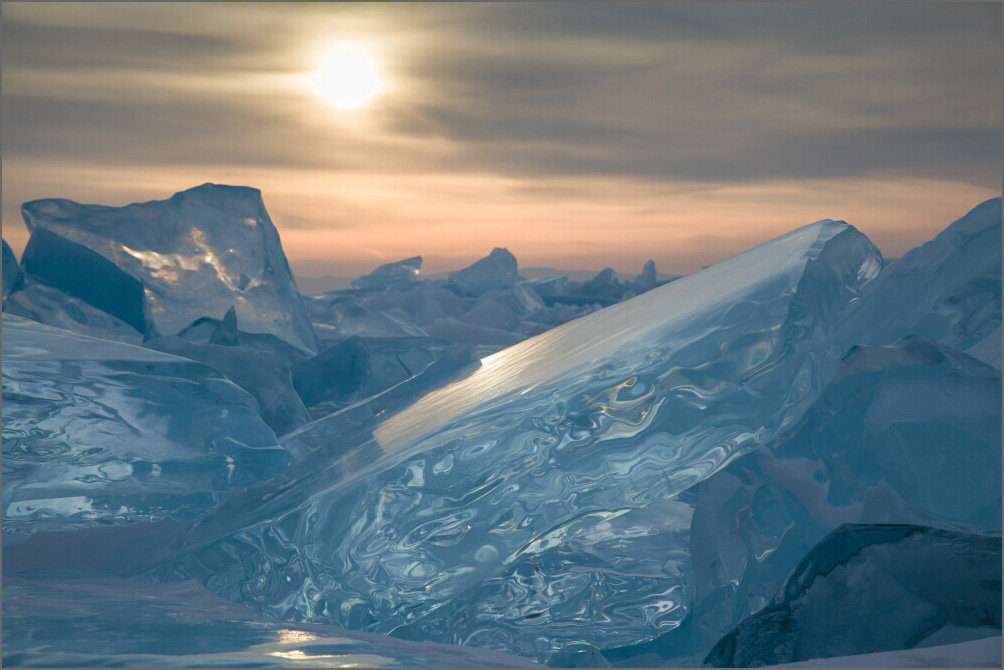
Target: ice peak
(195,254)
(495,271)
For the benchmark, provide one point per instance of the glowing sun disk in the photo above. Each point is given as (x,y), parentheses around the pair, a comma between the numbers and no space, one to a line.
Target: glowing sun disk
(348,77)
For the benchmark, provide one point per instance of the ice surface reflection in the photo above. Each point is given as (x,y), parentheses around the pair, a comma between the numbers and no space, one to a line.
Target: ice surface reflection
(575,427)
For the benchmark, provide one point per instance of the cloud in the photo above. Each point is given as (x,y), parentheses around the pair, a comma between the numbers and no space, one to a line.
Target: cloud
(603,113)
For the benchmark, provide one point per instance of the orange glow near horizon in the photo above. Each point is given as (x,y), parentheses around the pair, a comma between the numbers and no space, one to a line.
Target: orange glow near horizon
(381,131)
(345,224)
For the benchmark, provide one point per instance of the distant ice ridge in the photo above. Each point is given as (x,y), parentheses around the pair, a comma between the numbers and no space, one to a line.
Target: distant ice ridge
(947,290)
(95,431)
(547,439)
(390,275)
(159,266)
(495,271)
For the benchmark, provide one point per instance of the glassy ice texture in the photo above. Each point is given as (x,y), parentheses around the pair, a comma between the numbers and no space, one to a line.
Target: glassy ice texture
(908,433)
(357,368)
(195,255)
(95,431)
(345,425)
(545,440)
(616,583)
(48,305)
(947,290)
(257,372)
(87,276)
(338,316)
(11,274)
(72,620)
(868,588)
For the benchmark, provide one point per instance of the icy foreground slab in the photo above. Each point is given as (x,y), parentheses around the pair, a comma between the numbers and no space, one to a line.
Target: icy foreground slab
(258,372)
(907,433)
(982,653)
(883,587)
(48,305)
(98,431)
(391,275)
(72,620)
(630,574)
(196,255)
(947,290)
(546,439)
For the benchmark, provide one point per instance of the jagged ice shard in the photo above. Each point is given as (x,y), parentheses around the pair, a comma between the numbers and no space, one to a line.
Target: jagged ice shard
(947,290)
(195,255)
(869,588)
(905,433)
(550,437)
(99,432)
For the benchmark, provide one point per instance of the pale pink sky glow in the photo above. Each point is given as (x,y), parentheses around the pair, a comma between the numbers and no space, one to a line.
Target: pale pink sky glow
(577,136)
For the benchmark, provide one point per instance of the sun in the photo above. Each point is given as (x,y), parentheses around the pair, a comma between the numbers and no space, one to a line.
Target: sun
(348,76)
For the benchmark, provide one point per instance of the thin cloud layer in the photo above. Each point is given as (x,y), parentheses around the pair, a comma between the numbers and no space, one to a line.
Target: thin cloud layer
(530,105)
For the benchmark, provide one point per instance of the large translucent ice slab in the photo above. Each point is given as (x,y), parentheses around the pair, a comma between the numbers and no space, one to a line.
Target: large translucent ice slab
(196,254)
(96,431)
(358,367)
(546,439)
(87,276)
(343,427)
(46,304)
(631,574)
(875,588)
(61,620)
(908,433)
(947,290)
(258,372)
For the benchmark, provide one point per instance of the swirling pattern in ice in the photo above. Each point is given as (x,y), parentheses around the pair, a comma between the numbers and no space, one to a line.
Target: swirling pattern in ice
(99,431)
(564,431)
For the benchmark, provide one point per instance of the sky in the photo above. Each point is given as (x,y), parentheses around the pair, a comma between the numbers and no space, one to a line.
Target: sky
(577,135)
